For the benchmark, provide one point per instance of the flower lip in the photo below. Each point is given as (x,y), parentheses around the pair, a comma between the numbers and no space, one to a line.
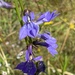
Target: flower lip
(30,30)
(27,67)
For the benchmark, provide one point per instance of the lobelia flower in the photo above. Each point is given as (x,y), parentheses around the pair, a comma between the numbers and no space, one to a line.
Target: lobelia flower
(46,17)
(30,27)
(29,66)
(5,5)
(49,42)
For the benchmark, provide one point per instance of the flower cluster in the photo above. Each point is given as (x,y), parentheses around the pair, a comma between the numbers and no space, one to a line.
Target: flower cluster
(31,28)
(35,65)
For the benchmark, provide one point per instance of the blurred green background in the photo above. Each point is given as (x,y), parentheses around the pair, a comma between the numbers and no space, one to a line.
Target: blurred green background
(62,28)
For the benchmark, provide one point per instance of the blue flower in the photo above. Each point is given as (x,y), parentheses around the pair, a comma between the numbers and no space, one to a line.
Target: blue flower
(49,43)
(30,27)
(46,17)
(29,66)
(5,5)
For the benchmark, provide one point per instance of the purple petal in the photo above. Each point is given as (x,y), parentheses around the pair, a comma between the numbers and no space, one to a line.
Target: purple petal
(51,40)
(40,43)
(43,16)
(24,18)
(23,32)
(33,31)
(54,45)
(1,4)
(30,49)
(29,68)
(5,5)
(44,44)
(27,55)
(46,17)
(32,15)
(39,22)
(20,66)
(45,36)
(54,15)
(39,58)
(52,50)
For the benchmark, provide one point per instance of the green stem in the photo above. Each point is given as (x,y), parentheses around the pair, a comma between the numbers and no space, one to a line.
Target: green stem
(20,2)
(18,12)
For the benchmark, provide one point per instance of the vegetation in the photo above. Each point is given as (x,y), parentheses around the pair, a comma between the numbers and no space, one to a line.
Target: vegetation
(62,28)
